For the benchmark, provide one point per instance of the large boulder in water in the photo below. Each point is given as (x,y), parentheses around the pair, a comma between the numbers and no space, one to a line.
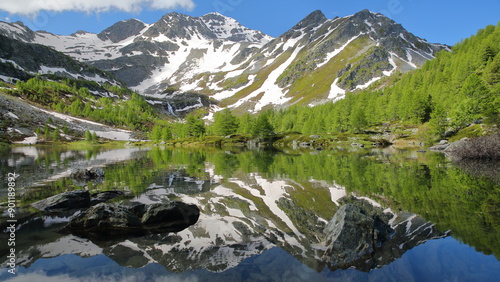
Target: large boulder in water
(353,233)
(65,201)
(138,219)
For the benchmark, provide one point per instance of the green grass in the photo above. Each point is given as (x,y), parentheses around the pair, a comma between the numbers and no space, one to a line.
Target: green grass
(316,84)
(472,131)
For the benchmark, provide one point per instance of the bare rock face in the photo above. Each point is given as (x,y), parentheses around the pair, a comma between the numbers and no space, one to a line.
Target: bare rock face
(353,233)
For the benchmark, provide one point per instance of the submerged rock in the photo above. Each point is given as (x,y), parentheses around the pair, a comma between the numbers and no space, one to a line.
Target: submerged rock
(65,201)
(105,219)
(353,233)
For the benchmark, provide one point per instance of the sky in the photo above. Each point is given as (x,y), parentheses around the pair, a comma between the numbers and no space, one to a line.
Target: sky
(438,21)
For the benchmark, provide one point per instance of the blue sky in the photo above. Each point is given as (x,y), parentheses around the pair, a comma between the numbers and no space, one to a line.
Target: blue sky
(442,21)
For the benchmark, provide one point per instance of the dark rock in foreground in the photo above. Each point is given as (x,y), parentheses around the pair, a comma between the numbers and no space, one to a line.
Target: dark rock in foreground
(65,201)
(104,219)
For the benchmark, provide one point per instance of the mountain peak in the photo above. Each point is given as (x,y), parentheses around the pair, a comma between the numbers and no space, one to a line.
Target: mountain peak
(228,28)
(312,20)
(122,30)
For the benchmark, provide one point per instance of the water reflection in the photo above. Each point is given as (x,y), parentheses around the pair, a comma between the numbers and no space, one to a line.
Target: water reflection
(263,215)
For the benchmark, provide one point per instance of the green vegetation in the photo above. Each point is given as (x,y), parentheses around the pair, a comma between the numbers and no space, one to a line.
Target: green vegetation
(447,93)
(225,123)
(74,97)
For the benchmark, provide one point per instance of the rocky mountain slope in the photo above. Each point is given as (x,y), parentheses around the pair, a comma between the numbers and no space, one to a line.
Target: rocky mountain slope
(316,60)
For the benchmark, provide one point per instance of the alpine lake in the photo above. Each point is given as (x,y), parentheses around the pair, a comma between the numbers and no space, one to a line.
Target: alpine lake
(264,215)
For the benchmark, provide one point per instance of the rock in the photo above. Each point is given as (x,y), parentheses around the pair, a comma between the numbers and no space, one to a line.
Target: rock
(314,136)
(87,174)
(65,201)
(353,233)
(104,196)
(443,142)
(106,219)
(457,144)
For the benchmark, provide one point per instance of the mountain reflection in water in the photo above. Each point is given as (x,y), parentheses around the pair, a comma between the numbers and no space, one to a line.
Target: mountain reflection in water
(262,215)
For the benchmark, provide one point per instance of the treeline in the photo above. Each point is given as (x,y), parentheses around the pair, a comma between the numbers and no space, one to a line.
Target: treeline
(224,123)
(122,108)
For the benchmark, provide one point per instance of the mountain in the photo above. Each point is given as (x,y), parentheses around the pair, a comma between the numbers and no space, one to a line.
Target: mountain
(318,59)
(21,60)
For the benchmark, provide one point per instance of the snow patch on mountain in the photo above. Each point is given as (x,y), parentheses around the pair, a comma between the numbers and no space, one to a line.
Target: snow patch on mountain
(272,93)
(336,93)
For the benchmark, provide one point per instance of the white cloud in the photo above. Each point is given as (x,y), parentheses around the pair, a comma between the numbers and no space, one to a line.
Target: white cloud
(30,7)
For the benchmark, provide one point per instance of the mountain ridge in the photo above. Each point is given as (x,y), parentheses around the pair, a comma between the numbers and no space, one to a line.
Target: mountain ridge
(318,59)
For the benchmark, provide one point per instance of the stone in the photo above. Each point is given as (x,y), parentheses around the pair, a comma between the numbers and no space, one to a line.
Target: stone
(65,201)
(353,233)
(114,219)
(104,196)
(106,217)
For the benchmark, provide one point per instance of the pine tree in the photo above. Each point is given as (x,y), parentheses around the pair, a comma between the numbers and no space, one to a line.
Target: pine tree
(88,135)
(166,134)
(246,124)
(195,125)
(225,123)
(262,127)
(155,134)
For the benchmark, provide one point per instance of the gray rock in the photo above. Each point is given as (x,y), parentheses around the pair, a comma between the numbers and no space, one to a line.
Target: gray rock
(353,233)
(104,196)
(457,144)
(138,219)
(65,201)
(106,216)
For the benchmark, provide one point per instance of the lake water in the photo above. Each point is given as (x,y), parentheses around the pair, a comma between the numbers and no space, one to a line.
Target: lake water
(262,217)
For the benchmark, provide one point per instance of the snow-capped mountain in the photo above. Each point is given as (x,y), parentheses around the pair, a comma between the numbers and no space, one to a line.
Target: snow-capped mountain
(316,60)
